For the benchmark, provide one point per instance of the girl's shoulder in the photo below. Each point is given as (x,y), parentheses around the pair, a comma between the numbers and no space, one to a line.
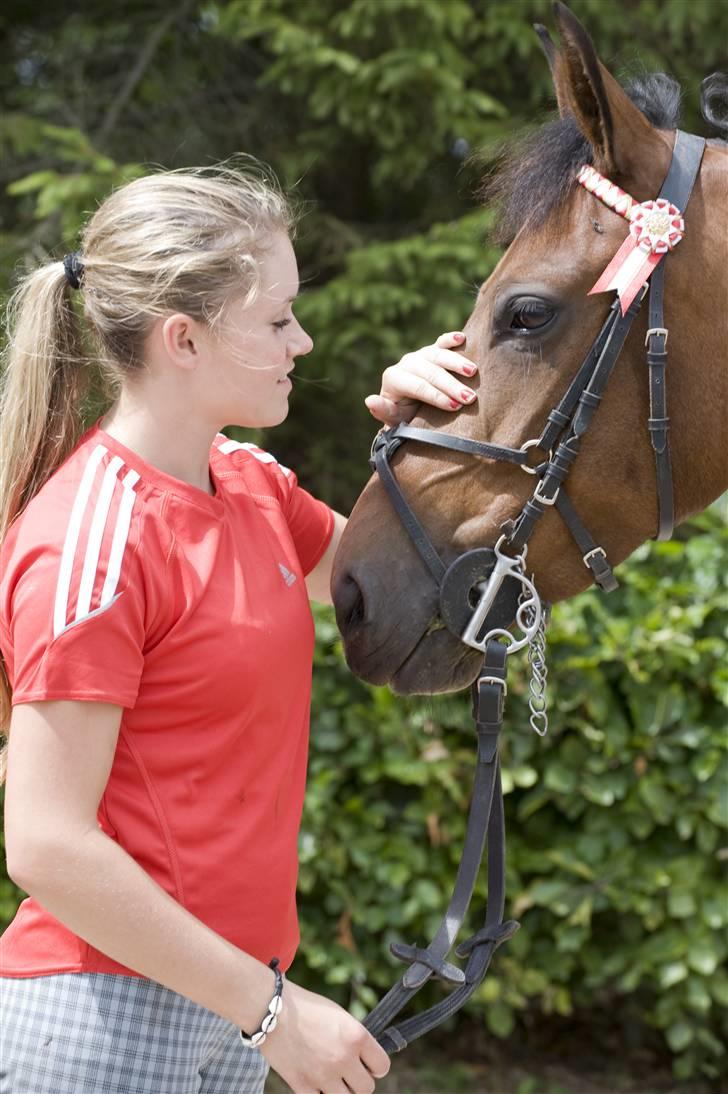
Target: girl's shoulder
(261,471)
(87,522)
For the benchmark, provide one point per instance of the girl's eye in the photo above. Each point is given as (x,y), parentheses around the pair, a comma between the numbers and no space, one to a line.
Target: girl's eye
(530,314)
(281,323)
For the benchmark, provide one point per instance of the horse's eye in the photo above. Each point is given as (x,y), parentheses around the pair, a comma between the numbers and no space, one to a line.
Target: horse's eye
(531,314)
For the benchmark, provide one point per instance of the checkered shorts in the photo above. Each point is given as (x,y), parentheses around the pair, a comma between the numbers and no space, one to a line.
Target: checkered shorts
(105,1033)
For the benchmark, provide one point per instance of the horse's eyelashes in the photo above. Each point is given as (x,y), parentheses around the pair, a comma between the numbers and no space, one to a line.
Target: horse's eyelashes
(534,307)
(531,314)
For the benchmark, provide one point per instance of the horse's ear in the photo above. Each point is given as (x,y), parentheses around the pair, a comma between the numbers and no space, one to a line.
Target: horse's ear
(547,44)
(609,120)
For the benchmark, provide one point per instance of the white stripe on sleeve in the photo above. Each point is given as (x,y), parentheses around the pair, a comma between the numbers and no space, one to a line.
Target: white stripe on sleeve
(96,534)
(260,455)
(71,541)
(121,534)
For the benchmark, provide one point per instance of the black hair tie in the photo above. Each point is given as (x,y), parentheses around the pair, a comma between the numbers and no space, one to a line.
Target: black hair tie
(74,269)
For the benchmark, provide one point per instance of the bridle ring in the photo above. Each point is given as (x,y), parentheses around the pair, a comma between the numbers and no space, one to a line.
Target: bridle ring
(524,448)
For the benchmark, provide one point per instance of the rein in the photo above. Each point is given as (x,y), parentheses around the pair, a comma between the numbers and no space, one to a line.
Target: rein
(505,594)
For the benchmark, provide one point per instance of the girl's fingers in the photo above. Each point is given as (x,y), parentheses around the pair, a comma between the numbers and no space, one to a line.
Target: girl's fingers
(439,355)
(384,410)
(420,389)
(425,376)
(391,413)
(445,358)
(452,338)
(422,381)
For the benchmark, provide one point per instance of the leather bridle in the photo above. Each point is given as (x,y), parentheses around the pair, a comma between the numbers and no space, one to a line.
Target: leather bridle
(503,594)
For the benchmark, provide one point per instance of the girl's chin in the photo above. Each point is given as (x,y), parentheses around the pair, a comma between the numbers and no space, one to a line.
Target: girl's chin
(264,413)
(265,420)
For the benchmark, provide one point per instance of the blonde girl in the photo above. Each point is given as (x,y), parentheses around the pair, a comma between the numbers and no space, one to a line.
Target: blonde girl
(157,642)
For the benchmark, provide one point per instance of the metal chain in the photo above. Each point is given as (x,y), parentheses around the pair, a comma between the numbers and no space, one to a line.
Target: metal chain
(537,660)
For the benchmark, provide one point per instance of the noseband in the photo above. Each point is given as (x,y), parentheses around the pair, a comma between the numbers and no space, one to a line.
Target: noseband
(486,589)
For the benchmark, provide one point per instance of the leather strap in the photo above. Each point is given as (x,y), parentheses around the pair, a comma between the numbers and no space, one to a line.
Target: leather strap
(460,444)
(687,156)
(582,400)
(658,422)
(592,554)
(560,416)
(417,533)
(479,949)
(485,817)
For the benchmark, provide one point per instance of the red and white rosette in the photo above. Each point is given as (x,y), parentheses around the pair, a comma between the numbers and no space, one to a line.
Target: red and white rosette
(655,227)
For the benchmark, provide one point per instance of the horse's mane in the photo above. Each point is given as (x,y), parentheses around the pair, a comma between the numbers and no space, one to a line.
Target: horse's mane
(538,172)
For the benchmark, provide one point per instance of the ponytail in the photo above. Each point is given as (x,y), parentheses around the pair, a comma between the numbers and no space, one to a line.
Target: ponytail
(44,380)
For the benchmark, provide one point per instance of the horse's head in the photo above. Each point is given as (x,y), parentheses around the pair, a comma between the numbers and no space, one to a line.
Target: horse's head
(531,327)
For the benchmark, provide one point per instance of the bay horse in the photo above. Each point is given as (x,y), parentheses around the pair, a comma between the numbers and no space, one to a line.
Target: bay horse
(533,321)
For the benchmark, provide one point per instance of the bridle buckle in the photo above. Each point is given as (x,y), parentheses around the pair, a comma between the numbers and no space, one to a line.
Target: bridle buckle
(538,496)
(494,680)
(657,330)
(591,554)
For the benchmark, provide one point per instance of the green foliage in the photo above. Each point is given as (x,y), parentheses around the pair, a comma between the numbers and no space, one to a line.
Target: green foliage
(616,820)
(71,193)
(404,69)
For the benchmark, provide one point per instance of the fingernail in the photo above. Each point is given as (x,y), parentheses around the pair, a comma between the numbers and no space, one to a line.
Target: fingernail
(467,394)
(458,336)
(469,370)
(455,404)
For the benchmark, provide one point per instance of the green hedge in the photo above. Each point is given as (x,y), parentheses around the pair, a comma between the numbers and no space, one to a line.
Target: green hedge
(613,820)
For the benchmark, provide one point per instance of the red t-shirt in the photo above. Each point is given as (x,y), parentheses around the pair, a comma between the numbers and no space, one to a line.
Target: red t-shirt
(120,583)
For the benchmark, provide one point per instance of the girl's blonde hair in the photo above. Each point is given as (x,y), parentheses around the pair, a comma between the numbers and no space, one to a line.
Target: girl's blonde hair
(188,240)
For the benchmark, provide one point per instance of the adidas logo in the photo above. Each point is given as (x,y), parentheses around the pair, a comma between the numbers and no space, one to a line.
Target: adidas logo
(288,577)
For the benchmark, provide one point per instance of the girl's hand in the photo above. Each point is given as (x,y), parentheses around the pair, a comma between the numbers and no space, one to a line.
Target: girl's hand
(318,1046)
(424,376)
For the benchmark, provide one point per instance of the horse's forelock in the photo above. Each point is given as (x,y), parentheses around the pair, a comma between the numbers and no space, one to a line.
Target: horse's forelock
(536,173)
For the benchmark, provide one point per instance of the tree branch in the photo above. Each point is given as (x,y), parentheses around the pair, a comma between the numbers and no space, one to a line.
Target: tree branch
(137,71)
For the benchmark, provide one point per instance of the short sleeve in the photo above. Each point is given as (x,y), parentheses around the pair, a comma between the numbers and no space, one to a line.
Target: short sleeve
(75,632)
(310,521)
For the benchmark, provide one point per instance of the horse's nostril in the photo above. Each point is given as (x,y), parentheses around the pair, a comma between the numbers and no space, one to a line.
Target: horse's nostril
(349,603)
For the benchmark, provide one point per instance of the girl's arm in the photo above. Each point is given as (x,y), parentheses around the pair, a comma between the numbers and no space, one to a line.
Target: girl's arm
(59,758)
(319,580)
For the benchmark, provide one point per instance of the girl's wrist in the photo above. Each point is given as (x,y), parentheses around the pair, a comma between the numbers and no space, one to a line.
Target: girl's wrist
(257,1037)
